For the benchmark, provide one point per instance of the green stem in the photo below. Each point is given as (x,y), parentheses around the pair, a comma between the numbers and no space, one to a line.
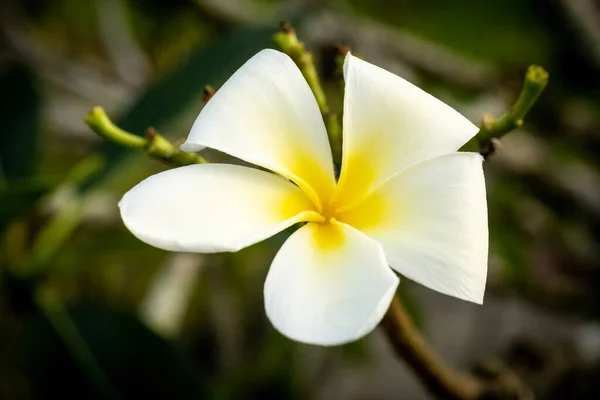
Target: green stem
(84,170)
(333,125)
(154,144)
(58,316)
(103,126)
(492,128)
(53,236)
(287,41)
(55,233)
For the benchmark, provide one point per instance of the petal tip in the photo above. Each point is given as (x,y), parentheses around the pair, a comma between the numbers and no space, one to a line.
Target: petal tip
(269,50)
(346,65)
(476,298)
(191,147)
(272,54)
(477,157)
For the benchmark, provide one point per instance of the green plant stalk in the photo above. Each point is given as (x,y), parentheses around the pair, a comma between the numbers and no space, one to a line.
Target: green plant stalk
(332,123)
(103,126)
(84,170)
(53,235)
(154,144)
(58,316)
(534,84)
(59,229)
(287,41)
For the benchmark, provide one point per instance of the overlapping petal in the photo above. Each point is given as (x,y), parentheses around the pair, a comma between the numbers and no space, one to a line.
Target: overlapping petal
(431,220)
(266,114)
(390,124)
(211,208)
(329,284)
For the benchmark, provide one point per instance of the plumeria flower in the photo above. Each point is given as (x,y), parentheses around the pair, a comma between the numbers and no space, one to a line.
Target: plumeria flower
(405,199)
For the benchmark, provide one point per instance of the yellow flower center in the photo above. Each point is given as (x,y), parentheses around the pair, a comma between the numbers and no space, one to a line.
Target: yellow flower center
(362,214)
(348,200)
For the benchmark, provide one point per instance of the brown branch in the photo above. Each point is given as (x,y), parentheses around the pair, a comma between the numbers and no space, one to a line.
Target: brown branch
(440,379)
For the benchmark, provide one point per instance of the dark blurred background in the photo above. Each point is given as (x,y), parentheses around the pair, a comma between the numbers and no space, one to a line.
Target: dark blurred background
(88,311)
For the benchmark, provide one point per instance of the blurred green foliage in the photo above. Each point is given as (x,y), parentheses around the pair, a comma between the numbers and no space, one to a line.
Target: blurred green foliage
(121,344)
(491,30)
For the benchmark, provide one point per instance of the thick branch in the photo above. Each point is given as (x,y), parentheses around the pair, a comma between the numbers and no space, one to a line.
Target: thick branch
(154,144)
(492,128)
(440,379)
(288,42)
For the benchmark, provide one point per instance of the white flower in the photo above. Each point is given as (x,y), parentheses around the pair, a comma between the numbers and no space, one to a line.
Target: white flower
(406,199)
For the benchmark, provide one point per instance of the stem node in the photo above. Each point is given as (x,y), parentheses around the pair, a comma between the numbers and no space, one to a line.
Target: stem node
(154,144)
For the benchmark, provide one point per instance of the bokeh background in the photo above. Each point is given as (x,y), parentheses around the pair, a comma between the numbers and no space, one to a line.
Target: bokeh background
(87,311)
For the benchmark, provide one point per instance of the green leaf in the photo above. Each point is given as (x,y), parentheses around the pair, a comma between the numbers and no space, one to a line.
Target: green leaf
(20,116)
(501,31)
(138,363)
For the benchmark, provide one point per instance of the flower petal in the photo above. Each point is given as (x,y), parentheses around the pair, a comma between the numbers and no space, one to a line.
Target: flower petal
(211,208)
(431,220)
(328,285)
(267,115)
(390,124)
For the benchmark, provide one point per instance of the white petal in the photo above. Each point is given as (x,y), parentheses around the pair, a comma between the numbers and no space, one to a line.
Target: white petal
(329,284)
(431,220)
(211,208)
(390,124)
(267,115)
